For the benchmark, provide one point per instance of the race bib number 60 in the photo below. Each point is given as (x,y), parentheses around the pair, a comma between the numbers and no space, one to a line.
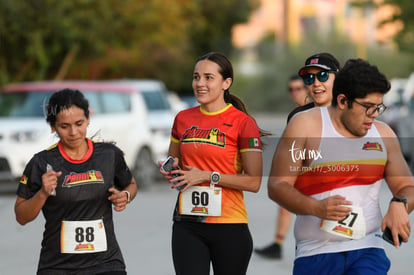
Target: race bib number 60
(82,237)
(201,201)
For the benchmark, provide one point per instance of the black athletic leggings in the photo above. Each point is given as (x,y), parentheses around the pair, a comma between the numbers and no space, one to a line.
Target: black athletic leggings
(227,246)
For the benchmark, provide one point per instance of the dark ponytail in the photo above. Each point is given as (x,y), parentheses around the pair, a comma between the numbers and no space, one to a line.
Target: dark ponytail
(235,101)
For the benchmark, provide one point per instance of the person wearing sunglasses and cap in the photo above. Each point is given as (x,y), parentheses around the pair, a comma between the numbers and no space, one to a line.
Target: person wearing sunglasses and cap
(318,75)
(328,169)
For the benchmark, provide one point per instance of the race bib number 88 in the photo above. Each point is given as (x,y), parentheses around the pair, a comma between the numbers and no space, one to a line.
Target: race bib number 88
(82,237)
(201,201)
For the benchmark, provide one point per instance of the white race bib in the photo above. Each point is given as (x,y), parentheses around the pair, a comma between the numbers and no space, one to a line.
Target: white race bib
(353,226)
(201,201)
(82,237)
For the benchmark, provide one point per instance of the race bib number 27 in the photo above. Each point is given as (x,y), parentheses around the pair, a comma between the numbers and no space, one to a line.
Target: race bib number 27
(201,201)
(352,226)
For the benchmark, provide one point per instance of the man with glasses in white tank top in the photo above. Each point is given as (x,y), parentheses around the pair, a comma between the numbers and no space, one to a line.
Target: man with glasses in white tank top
(328,169)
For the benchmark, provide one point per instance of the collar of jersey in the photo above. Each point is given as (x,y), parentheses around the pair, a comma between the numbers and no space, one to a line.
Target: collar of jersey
(85,157)
(216,112)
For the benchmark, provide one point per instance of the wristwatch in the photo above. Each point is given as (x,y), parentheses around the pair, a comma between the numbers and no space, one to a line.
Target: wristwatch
(400,199)
(215,178)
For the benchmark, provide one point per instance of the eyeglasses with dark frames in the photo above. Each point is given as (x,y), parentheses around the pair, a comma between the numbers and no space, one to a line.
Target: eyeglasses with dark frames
(371,109)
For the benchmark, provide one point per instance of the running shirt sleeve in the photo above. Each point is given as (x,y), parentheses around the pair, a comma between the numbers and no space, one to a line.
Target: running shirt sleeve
(249,138)
(31,180)
(175,137)
(123,175)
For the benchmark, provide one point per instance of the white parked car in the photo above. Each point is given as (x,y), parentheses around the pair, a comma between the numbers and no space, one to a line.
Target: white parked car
(177,104)
(160,112)
(118,114)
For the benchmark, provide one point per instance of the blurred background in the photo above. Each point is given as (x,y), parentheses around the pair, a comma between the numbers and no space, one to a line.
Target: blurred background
(267,40)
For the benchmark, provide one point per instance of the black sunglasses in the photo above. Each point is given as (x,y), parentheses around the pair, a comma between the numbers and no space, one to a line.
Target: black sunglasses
(309,79)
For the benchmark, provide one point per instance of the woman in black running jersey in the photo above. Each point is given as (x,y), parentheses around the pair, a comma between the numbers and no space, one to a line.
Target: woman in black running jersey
(75,183)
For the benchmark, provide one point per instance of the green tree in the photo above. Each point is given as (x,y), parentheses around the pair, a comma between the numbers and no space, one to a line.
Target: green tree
(92,39)
(36,36)
(267,90)
(219,16)
(404,14)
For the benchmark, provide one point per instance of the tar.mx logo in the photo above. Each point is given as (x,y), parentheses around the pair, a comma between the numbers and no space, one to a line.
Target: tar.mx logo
(303,154)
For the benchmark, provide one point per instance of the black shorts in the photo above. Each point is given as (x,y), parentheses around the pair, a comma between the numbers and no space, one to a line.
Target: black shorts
(228,247)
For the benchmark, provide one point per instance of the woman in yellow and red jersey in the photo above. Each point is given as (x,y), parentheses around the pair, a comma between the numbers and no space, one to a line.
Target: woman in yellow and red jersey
(217,145)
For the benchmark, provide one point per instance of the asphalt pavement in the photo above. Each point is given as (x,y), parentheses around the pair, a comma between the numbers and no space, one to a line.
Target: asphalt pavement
(144,229)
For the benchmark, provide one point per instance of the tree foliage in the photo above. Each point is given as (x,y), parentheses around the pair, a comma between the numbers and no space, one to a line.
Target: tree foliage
(405,37)
(267,89)
(92,39)
(219,16)
(404,14)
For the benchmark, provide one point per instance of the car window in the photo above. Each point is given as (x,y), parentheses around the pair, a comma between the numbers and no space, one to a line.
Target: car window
(155,100)
(94,102)
(115,102)
(30,104)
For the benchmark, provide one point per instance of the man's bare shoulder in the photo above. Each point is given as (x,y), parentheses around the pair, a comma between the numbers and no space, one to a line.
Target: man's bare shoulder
(308,116)
(384,129)
(306,123)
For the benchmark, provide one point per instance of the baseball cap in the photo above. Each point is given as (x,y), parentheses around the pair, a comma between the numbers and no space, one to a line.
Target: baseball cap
(323,61)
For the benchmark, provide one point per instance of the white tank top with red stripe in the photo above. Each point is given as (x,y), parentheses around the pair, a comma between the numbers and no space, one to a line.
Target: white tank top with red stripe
(350,167)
